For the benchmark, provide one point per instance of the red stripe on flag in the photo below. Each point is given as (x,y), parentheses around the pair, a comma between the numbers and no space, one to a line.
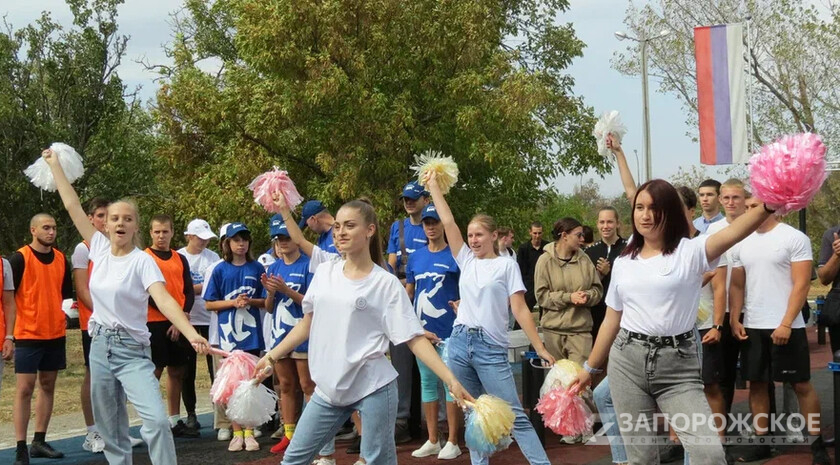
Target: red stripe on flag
(705,94)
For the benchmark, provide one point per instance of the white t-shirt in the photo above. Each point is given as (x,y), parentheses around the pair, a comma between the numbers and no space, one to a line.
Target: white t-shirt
(660,295)
(199,316)
(8,277)
(213,331)
(486,286)
(81,257)
(119,288)
(706,312)
(352,323)
(767,258)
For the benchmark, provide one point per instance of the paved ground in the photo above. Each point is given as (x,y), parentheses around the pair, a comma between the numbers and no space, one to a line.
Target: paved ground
(65,435)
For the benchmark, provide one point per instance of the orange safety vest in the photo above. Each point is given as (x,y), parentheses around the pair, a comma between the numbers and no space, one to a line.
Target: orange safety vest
(38,298)
(173,274)
(84,312)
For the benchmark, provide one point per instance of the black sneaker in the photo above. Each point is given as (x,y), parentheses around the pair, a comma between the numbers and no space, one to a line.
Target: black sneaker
(356,447)
(752,453)
(820,455)
(671,453)
(43,449)
(181,430)
(401,434)
(192,422)
(22,457)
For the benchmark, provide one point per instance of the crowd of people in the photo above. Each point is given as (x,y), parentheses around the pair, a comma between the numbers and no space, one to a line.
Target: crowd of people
(350,329)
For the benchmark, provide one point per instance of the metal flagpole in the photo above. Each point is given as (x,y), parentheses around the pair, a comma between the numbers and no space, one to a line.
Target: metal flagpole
(750,139)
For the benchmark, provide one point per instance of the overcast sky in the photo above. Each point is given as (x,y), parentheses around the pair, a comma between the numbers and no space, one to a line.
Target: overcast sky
(147,23)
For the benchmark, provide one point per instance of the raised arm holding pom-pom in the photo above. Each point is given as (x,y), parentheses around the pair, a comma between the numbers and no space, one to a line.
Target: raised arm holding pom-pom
(626,175)
(294,231)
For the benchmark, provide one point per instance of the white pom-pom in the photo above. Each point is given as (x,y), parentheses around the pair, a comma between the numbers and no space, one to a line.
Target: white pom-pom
(251,404)
(610,123)
(434,162)
(39,172)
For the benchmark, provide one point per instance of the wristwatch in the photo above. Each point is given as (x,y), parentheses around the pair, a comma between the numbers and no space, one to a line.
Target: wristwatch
(590,370)
(10,338)
(717,327)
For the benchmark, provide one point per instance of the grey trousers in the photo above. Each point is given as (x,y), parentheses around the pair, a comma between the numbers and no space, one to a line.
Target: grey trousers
(646,377)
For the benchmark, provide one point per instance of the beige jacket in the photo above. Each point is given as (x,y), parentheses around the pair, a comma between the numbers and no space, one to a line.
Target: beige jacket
(554,282)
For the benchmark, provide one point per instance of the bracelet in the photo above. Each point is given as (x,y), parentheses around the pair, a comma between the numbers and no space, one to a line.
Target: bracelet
(9,337)
(270,358)
(768,210)
(590,370)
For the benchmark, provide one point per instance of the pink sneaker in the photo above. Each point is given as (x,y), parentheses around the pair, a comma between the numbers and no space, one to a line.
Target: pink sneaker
(251,444)
(236,444)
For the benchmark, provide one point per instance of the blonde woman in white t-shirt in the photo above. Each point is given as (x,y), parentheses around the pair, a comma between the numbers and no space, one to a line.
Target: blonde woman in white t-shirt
(352,309)
(478,347)
(652,307)
(122,280)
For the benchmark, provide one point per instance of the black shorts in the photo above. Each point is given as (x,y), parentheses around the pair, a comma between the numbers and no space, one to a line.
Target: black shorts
(166,352)
(32,357)
(86,339)
(789,363)
(712,361)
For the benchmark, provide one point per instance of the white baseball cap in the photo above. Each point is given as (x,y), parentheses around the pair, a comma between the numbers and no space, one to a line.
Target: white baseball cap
(200,228)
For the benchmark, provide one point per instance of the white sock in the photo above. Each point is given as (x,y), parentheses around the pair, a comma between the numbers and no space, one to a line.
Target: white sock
(173,419)
(92,429)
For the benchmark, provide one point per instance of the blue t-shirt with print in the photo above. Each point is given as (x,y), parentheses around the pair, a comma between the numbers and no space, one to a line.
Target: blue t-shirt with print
(435,277)
(325,241)
(287,313)
(239,328)
(413,234)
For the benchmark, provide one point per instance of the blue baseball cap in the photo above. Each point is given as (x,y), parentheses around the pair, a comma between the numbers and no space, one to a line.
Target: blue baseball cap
(310,208)
(413,191)
(236,228)
(430,212)
(277,227)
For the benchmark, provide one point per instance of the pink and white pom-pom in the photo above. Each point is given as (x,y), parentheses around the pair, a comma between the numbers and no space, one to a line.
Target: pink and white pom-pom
(276,180)
(236,367)
(40,175)
(565,412)
(789,172)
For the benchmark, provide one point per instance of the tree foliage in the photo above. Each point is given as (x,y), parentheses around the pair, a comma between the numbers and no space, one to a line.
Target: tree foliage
(344,93)
(61,85)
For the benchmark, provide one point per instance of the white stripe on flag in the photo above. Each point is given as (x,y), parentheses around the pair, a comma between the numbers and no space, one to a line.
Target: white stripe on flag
(737,93)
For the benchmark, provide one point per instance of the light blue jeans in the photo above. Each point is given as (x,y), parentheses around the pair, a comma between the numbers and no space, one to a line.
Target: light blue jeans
(481,366)
(606,410)
(121,369)
(320,422)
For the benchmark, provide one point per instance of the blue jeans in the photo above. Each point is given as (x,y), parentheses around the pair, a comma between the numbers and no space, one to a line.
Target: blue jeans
(321,421)
(603,400)
(482,366)
(121,369)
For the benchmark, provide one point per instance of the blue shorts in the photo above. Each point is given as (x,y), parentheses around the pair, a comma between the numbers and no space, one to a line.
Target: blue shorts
(30,358)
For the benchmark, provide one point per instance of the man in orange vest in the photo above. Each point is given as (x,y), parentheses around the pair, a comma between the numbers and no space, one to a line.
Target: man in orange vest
(97,210)
(41,276)
(169,348)
(7,312)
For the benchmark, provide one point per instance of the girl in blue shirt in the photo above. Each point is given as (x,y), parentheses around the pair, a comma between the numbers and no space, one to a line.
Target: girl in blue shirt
(236,293)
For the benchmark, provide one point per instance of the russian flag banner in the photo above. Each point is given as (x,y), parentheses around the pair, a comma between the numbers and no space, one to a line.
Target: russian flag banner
(721,95)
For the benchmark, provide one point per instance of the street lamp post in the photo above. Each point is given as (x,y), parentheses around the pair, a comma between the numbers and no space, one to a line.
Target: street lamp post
(643,42)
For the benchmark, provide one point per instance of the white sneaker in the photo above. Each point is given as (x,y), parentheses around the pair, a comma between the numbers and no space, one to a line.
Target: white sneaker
(135,442)
(570,439)
(427,449)
(324,461)
(258,433)
(93,442)
(449,451)
(223,434)
(359,462)
(795,436)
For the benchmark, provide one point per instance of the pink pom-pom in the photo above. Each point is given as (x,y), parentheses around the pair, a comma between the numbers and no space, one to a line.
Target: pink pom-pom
(788,173)
(273,181)
(565,413)
(237,367)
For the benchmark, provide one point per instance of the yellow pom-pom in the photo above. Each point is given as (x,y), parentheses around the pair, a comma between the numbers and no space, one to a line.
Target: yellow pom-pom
(494,416)
(434,162)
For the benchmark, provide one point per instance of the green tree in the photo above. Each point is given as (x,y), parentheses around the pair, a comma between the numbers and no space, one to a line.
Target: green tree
(344,94)
(61,85)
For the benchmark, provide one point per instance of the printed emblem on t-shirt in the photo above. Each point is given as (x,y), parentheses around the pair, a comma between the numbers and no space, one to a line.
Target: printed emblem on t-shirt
(361,303)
